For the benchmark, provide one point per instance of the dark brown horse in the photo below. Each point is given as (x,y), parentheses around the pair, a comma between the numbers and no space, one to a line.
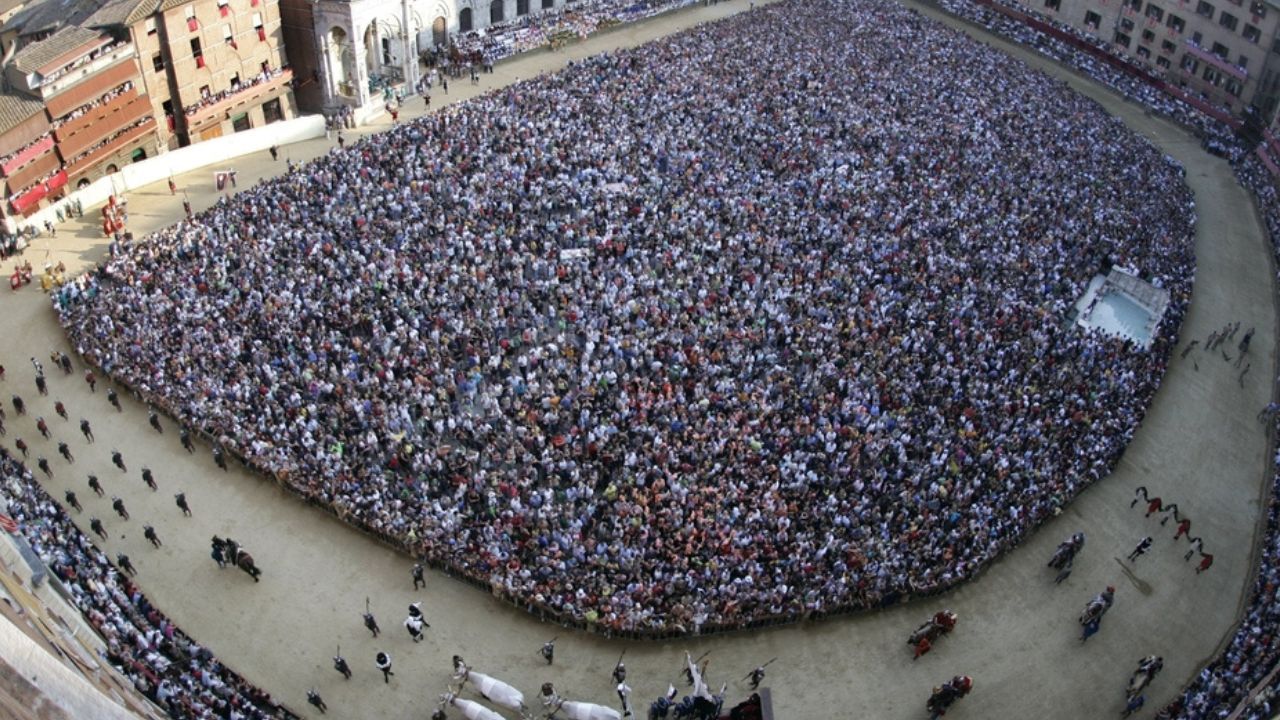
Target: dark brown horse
(244,561)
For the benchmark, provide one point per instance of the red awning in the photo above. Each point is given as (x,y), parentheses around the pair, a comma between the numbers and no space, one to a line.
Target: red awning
(29,198)
(57,181)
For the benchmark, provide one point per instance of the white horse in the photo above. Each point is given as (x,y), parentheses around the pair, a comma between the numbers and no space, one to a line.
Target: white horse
(471,709)
(575,710)
(493,689)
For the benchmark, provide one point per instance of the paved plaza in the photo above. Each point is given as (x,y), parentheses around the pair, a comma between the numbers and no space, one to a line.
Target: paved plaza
(1200,447)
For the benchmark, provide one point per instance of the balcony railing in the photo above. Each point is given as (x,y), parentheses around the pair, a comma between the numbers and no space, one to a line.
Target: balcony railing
(246,97)
(72,128)
(26,155)
(83,164)
(123,115)
(1224,65)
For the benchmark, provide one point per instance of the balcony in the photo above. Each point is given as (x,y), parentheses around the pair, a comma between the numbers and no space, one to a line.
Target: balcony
(21,179)
(91,89)
(75,127)
(247,97)
(27,154)
(123,51)
(118,115)
(1225,66)
(83,165)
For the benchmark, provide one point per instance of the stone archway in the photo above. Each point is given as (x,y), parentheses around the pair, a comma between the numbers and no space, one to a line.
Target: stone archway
(372,49)
(440,32)
(339,56)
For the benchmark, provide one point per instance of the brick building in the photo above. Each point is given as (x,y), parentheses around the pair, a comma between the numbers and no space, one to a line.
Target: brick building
(1224,50)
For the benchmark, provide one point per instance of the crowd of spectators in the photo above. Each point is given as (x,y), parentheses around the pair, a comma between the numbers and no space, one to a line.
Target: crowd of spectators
(1225,683)
(578,19)
(802,346)
(180,676)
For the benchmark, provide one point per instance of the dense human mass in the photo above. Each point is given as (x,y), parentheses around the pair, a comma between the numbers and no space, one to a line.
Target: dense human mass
(688,335)
(171,669)
(1234,679)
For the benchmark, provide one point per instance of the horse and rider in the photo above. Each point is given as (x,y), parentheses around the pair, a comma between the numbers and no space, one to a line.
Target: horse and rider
(945,695)
(236,555)
(1067,551)
(942,623)
(1091,618)
(1148,668)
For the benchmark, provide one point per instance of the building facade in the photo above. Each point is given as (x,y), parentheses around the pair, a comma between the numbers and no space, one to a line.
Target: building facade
(1223,50)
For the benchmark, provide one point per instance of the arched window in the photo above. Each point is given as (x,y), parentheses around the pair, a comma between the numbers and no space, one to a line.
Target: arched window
(522,7)
(496,12)
(464,20)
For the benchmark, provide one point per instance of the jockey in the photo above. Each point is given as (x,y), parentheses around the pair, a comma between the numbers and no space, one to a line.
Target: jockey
(945,620)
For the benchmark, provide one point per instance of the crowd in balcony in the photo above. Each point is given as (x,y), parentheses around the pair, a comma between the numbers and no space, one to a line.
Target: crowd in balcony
(44,137)
(163,663)
(82,61)
(795,348)
(213,98)
(108,140)
(99,102)
(579,18)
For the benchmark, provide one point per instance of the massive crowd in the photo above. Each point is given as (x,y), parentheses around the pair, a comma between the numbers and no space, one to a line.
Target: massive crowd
(1227,682)
(171,669)
(800,345)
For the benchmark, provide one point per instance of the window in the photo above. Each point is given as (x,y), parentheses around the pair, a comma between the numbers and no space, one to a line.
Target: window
(522,7)
(1135,4)
(1244,61)
(137,155)
(1212,75)
(205,92)
(157,62)
(1220,50)
(1163,62)
(1233,87)
(1144,53)
(1197,38)
(1190,64)
(257,25)
(1252,34)
(192,24)
(1204,9)
(548,4)
(1092,20)
(1126,24)
(386,50)
(1155,13)
(150,25)
(1258,9)
(1122,39)
(1148,36)
(235,82)
(464,20)
(227,36)
(271,111)
(224,7)
(196,52)
(241,122)
(1167,47)
(1176,23)
(1228,21)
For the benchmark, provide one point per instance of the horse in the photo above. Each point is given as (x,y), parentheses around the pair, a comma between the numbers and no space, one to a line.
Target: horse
(933,628)
(490,688)
(244,561)
(471,709)
(1147,670)
(575,710)
(1066,552)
